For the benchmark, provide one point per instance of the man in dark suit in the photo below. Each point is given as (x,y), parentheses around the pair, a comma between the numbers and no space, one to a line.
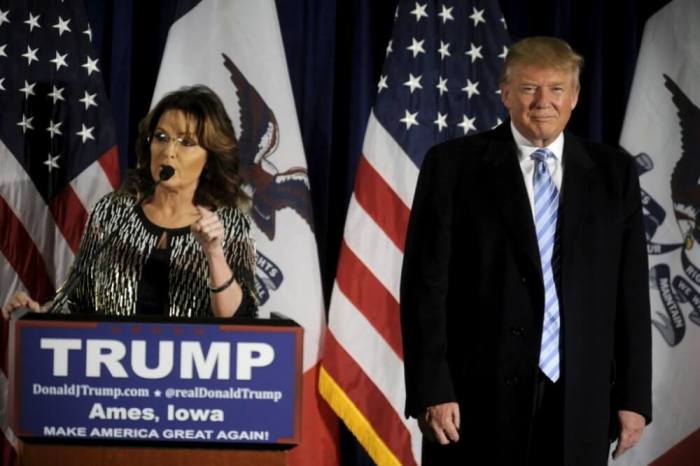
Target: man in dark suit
(524,294)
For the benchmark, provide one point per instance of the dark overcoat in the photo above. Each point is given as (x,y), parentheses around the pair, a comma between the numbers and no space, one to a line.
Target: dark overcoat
(472,297)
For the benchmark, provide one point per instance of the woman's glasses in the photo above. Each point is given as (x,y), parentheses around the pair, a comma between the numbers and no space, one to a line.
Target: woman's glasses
(162,139)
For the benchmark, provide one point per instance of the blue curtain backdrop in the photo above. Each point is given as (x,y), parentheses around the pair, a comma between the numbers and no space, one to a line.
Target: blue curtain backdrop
(335,51)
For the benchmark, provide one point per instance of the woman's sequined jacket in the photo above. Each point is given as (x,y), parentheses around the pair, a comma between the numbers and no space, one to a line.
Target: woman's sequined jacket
(110,279)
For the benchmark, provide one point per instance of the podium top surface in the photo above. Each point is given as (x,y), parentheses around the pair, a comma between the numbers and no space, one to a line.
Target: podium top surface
(276,320)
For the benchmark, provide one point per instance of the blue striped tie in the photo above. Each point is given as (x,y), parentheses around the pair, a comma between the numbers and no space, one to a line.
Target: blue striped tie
(546,197)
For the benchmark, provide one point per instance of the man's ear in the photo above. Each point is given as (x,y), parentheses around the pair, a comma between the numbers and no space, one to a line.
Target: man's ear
(575,99)
(505,94)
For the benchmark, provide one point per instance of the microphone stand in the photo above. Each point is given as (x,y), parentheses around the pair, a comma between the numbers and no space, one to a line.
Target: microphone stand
(62,296)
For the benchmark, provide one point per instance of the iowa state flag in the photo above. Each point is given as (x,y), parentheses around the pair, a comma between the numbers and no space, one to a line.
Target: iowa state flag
(235,47)
(662,129)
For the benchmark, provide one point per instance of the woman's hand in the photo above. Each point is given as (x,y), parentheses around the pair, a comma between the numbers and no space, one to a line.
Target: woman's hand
(209,232)
(18,301)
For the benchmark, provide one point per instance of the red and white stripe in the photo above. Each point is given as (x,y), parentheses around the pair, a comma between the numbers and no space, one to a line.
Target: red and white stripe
(40,239)
(362,376)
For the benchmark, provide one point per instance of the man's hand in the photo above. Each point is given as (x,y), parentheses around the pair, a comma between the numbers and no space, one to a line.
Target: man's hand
(440,423)
(631,428)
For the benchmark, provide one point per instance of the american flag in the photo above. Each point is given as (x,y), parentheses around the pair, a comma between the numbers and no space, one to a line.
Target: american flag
(57,144)
(439,81)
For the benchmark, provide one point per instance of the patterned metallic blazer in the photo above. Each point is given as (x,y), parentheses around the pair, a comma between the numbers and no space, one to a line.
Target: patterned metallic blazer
(110,279)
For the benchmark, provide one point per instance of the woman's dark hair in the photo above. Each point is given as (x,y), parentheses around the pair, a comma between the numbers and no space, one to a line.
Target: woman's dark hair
(219,183)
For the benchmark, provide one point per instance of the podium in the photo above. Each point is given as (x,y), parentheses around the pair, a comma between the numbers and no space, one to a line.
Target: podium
(41,454)
(115,391)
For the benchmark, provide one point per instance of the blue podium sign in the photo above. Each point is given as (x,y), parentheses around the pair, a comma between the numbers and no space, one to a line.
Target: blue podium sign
(157,381)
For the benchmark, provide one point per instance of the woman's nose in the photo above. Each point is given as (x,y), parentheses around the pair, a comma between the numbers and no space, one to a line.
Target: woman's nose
(170,149)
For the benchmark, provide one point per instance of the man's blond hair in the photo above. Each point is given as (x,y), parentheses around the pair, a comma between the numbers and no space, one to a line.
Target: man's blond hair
(545,52)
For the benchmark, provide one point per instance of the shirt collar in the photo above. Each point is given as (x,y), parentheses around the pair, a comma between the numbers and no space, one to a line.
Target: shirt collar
(526,148)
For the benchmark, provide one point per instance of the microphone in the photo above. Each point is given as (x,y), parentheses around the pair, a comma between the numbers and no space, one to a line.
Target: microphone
(166,172)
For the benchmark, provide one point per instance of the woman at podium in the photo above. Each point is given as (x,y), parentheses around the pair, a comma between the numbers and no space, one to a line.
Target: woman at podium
(175,239)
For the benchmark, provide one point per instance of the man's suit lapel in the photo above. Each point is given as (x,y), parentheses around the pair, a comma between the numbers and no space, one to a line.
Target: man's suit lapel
(505,179)
(573,205)
(507,190)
